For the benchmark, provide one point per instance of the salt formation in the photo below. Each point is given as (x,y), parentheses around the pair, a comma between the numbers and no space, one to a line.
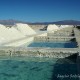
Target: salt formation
(65,26)
(16,35)
(52,27)
(25,29)
(8,34)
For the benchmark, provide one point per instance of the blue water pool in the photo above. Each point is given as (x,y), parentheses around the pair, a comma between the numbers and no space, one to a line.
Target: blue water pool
(53,44)
(28,68)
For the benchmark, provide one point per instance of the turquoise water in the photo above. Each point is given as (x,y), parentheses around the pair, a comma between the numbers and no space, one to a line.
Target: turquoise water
(53,44)
(31,68)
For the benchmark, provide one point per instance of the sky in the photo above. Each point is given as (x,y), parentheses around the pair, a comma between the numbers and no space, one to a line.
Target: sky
(40,10)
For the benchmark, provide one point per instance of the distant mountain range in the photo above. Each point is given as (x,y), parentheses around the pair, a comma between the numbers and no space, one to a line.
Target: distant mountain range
(10,22)
(64,22)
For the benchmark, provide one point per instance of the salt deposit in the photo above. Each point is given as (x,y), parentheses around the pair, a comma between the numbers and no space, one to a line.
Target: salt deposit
(16,34)
(65,26)
(21,34)
(52,27)
(23,42)
(8,34)
(25,29)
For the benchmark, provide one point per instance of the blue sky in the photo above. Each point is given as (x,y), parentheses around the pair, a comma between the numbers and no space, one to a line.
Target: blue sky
(40,10)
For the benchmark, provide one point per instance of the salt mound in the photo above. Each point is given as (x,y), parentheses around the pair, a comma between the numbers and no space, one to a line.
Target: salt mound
(8,34)
(25,29)
(52,27)
(17,32)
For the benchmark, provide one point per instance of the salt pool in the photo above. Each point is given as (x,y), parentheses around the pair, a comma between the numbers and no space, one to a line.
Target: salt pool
(53,44)
(31,68)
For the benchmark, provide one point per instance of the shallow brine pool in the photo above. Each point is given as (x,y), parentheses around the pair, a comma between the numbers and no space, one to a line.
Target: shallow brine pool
(53,44)
(33,68)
